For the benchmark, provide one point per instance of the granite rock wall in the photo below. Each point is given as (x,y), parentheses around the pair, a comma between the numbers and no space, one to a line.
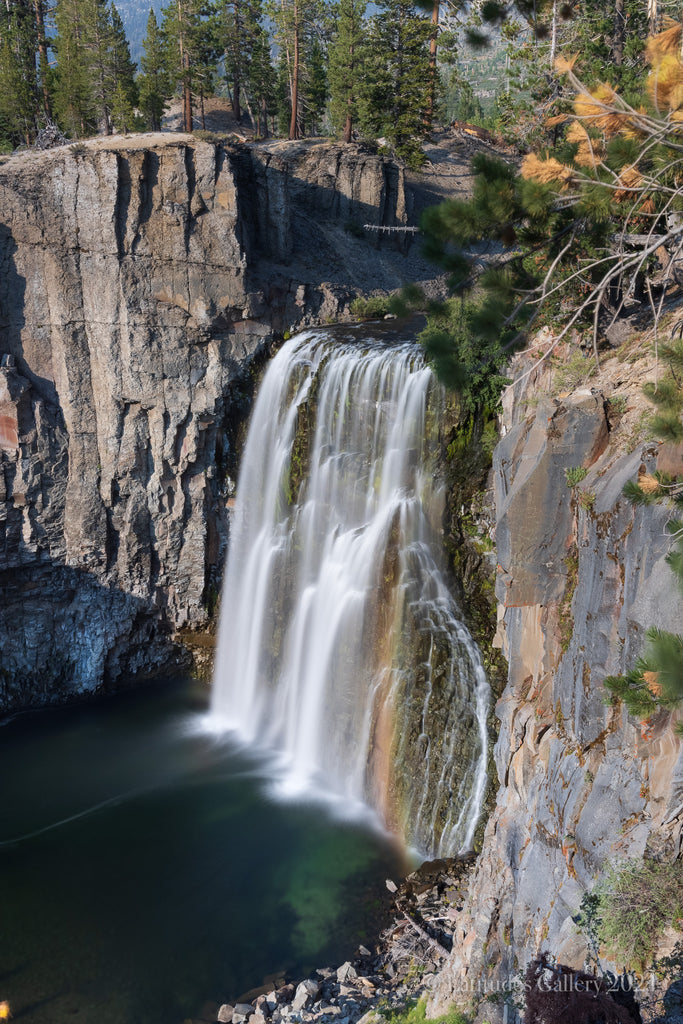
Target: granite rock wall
(581,785)
(139,278)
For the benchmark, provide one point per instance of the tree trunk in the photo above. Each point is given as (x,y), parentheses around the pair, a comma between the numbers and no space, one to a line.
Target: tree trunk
(236,108)
(185,69)
(247,103)
(42,56)
(553,35)
(619,32)
(348,124)
(294,121)
(431,102)
(187,97)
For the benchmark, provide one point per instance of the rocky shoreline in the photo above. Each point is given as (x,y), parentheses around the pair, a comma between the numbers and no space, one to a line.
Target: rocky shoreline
(375,982)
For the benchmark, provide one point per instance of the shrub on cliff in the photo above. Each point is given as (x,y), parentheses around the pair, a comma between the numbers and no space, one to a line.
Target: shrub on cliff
(638,900)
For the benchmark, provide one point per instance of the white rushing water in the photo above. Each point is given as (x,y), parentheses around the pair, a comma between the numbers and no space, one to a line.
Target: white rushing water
(340,645)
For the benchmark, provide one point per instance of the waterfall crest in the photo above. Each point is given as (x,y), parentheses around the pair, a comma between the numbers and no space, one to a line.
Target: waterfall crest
(340,645)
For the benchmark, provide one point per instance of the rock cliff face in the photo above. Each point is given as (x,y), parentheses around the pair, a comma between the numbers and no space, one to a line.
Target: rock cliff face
(581,576)
(139,279)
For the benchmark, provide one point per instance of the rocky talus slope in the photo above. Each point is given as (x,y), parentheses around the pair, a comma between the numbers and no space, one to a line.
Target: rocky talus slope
(581,577)
(139,279)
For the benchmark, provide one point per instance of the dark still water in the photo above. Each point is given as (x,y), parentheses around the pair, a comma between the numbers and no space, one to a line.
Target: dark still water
(156,874)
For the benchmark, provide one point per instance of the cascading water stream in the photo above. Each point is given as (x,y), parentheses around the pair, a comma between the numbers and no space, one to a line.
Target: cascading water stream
(340,645)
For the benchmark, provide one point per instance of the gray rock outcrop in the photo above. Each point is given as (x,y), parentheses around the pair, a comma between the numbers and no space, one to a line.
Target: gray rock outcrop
(581,785)
(138,283)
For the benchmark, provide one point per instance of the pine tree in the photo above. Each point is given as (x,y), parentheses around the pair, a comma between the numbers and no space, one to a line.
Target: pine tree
(347,66)
(153,83)
(188,49)
(298,25)
(98,41)
(93,62)
(123,69)
(19,90)
(397,82)
(571,219)
(43,63)
(239,32)
(283,95)
(262,82)
(74,99)
(122,114)
(315,88)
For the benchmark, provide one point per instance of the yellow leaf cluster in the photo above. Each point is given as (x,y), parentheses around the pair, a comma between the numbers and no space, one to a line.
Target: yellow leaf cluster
(565,64)
(665,82)
(552,122)
(630,178)
(664,44)
(596,109)
(648,483)
(544,171)
(589,152)
(653,683)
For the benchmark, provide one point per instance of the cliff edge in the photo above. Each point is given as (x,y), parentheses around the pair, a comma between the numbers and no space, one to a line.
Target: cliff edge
(140,278)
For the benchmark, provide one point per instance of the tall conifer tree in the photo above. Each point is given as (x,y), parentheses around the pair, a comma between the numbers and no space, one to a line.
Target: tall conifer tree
(238,26)
(397,81)
(298,25)
(185,31)
(153,83)
(347,66)
(262,82)
(74,99)
(19,93)
(43,62)
(122,66)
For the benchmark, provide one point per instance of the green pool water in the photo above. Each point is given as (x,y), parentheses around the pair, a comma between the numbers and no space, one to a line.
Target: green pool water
(155,874)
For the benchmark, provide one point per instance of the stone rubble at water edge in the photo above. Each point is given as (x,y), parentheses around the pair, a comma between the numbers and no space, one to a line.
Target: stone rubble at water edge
(399,971)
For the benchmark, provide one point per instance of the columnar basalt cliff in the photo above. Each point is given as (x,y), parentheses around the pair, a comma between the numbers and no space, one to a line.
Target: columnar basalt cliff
(139,279)
(581,577)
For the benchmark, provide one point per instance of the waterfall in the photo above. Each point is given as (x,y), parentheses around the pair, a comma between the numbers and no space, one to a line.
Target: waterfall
(340,645)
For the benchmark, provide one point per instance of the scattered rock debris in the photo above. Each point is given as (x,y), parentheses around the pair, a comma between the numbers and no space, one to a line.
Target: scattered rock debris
(359,991)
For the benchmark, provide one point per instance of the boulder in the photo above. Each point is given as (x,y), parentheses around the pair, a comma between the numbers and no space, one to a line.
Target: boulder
(284,994)
(242,1012)
(306,993)
(346,972)
(225,1013)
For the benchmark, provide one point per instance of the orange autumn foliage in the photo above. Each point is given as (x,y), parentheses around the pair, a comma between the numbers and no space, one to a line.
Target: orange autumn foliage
(544,171)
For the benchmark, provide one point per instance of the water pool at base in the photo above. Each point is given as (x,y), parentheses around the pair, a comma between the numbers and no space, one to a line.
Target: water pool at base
(155,874)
